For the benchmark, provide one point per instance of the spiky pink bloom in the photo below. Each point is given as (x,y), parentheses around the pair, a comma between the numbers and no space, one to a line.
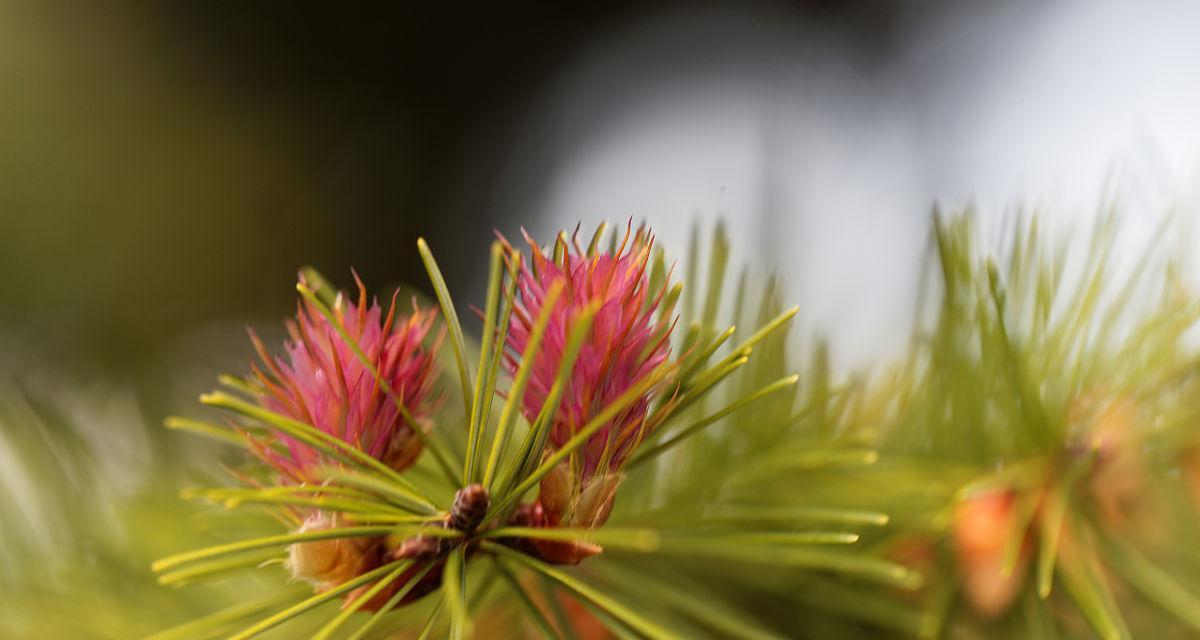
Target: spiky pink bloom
(627,341)
(323,383)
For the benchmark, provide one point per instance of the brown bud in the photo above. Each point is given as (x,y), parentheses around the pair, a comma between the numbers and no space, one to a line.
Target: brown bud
(981,528)
(470,506)
(596,500)
(328,563)
(556,492)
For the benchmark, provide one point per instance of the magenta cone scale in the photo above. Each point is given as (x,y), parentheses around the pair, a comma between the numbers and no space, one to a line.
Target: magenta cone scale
(322,382)
(627,341)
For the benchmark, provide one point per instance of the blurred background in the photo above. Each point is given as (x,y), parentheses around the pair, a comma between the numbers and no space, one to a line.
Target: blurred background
(166,167)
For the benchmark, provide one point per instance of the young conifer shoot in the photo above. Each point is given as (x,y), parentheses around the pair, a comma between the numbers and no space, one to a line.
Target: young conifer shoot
(390,489)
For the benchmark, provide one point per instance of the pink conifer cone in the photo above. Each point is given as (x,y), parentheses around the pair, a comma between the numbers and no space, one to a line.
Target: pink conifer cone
(628,340)
(323,383)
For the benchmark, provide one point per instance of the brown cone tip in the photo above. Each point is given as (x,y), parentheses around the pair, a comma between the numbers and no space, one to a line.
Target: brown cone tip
(470,506)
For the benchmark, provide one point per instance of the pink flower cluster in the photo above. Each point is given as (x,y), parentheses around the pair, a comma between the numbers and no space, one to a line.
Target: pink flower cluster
(627,341)
(323,383)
